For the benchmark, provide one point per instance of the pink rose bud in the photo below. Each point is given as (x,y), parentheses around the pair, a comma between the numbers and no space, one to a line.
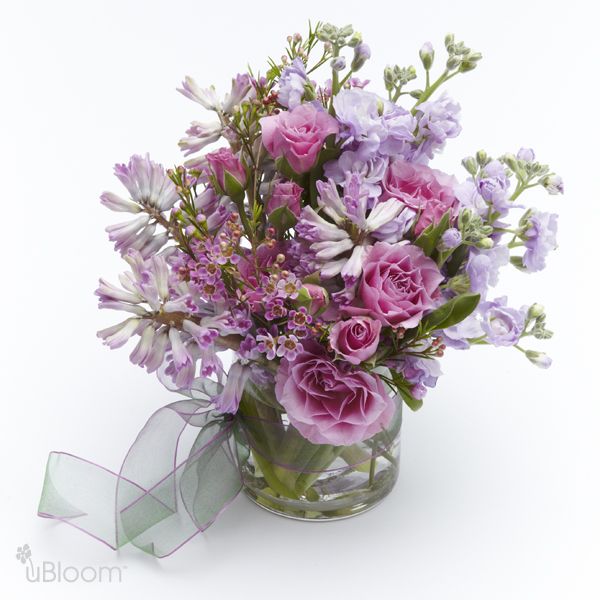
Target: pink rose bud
(285,193)
(318,296)
(228,171)
(298,135)
(356,339)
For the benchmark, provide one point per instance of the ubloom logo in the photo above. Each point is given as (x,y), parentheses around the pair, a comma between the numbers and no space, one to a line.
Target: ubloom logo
(49,571)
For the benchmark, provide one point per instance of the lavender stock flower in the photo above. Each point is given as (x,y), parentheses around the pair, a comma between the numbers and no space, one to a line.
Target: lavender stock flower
(438,120)
(502,325)
(291,84)
(540,239)
(483,268)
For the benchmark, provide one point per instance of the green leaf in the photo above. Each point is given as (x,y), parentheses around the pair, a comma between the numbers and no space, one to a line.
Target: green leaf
(458,257)
(402,386)
(284,167)
(451,313)
(233,188)
(430,236)
(517,261)
(282,219)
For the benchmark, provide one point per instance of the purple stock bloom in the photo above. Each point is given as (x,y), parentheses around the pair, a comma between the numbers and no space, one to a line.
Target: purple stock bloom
(493,186)
(451,238)
(458,335)
(553,184)
(502,325)
(438,120)
(358,113)
(362,53)
(526,154)
(539,359)
(540,239)
(372,170)
(483,267)
(469,197)
(420,372)
(291,84)
(400,125)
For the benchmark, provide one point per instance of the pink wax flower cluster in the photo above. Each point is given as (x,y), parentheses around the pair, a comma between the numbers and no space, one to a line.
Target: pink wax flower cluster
(309,235)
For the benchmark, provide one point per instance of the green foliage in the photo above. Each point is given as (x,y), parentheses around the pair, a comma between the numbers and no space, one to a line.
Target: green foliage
(403,389)
(431,235)
(449,314)
(282,219)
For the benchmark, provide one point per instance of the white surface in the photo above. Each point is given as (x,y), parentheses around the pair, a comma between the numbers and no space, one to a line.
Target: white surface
(499,491)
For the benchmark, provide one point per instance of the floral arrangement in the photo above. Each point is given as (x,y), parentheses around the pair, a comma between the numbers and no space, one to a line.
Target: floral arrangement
(319,248)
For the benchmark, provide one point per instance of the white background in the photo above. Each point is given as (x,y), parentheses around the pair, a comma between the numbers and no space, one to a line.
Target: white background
(499,489)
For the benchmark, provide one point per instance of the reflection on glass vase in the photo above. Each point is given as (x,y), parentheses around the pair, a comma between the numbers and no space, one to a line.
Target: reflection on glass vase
(288,475)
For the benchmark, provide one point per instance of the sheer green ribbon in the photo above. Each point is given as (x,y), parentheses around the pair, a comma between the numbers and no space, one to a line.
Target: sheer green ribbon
(185,467)
(181,472)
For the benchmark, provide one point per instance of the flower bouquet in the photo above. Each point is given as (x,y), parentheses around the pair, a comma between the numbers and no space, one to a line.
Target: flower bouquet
(298,285)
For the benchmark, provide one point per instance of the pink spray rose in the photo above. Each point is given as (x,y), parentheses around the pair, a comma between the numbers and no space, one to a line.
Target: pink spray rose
(429,192)
(285,193)
(224,160)
(330,404)
(319,297)
(398,285)
(356,339)
(298,135)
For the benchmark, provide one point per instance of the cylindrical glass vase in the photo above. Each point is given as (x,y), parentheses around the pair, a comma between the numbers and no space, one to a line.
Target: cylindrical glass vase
(290,476)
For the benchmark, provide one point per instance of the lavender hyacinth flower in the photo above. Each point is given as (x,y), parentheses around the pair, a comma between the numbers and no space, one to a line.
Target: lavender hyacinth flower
(502,325)
(229,399)
(151,192)
(241,88)
(330,240)
(200,135)
(540,239)
(291,84)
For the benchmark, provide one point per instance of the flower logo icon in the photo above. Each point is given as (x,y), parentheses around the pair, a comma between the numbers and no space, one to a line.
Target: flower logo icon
(23,553)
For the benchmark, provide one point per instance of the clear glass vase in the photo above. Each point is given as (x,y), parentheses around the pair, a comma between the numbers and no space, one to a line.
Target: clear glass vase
(290,476)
